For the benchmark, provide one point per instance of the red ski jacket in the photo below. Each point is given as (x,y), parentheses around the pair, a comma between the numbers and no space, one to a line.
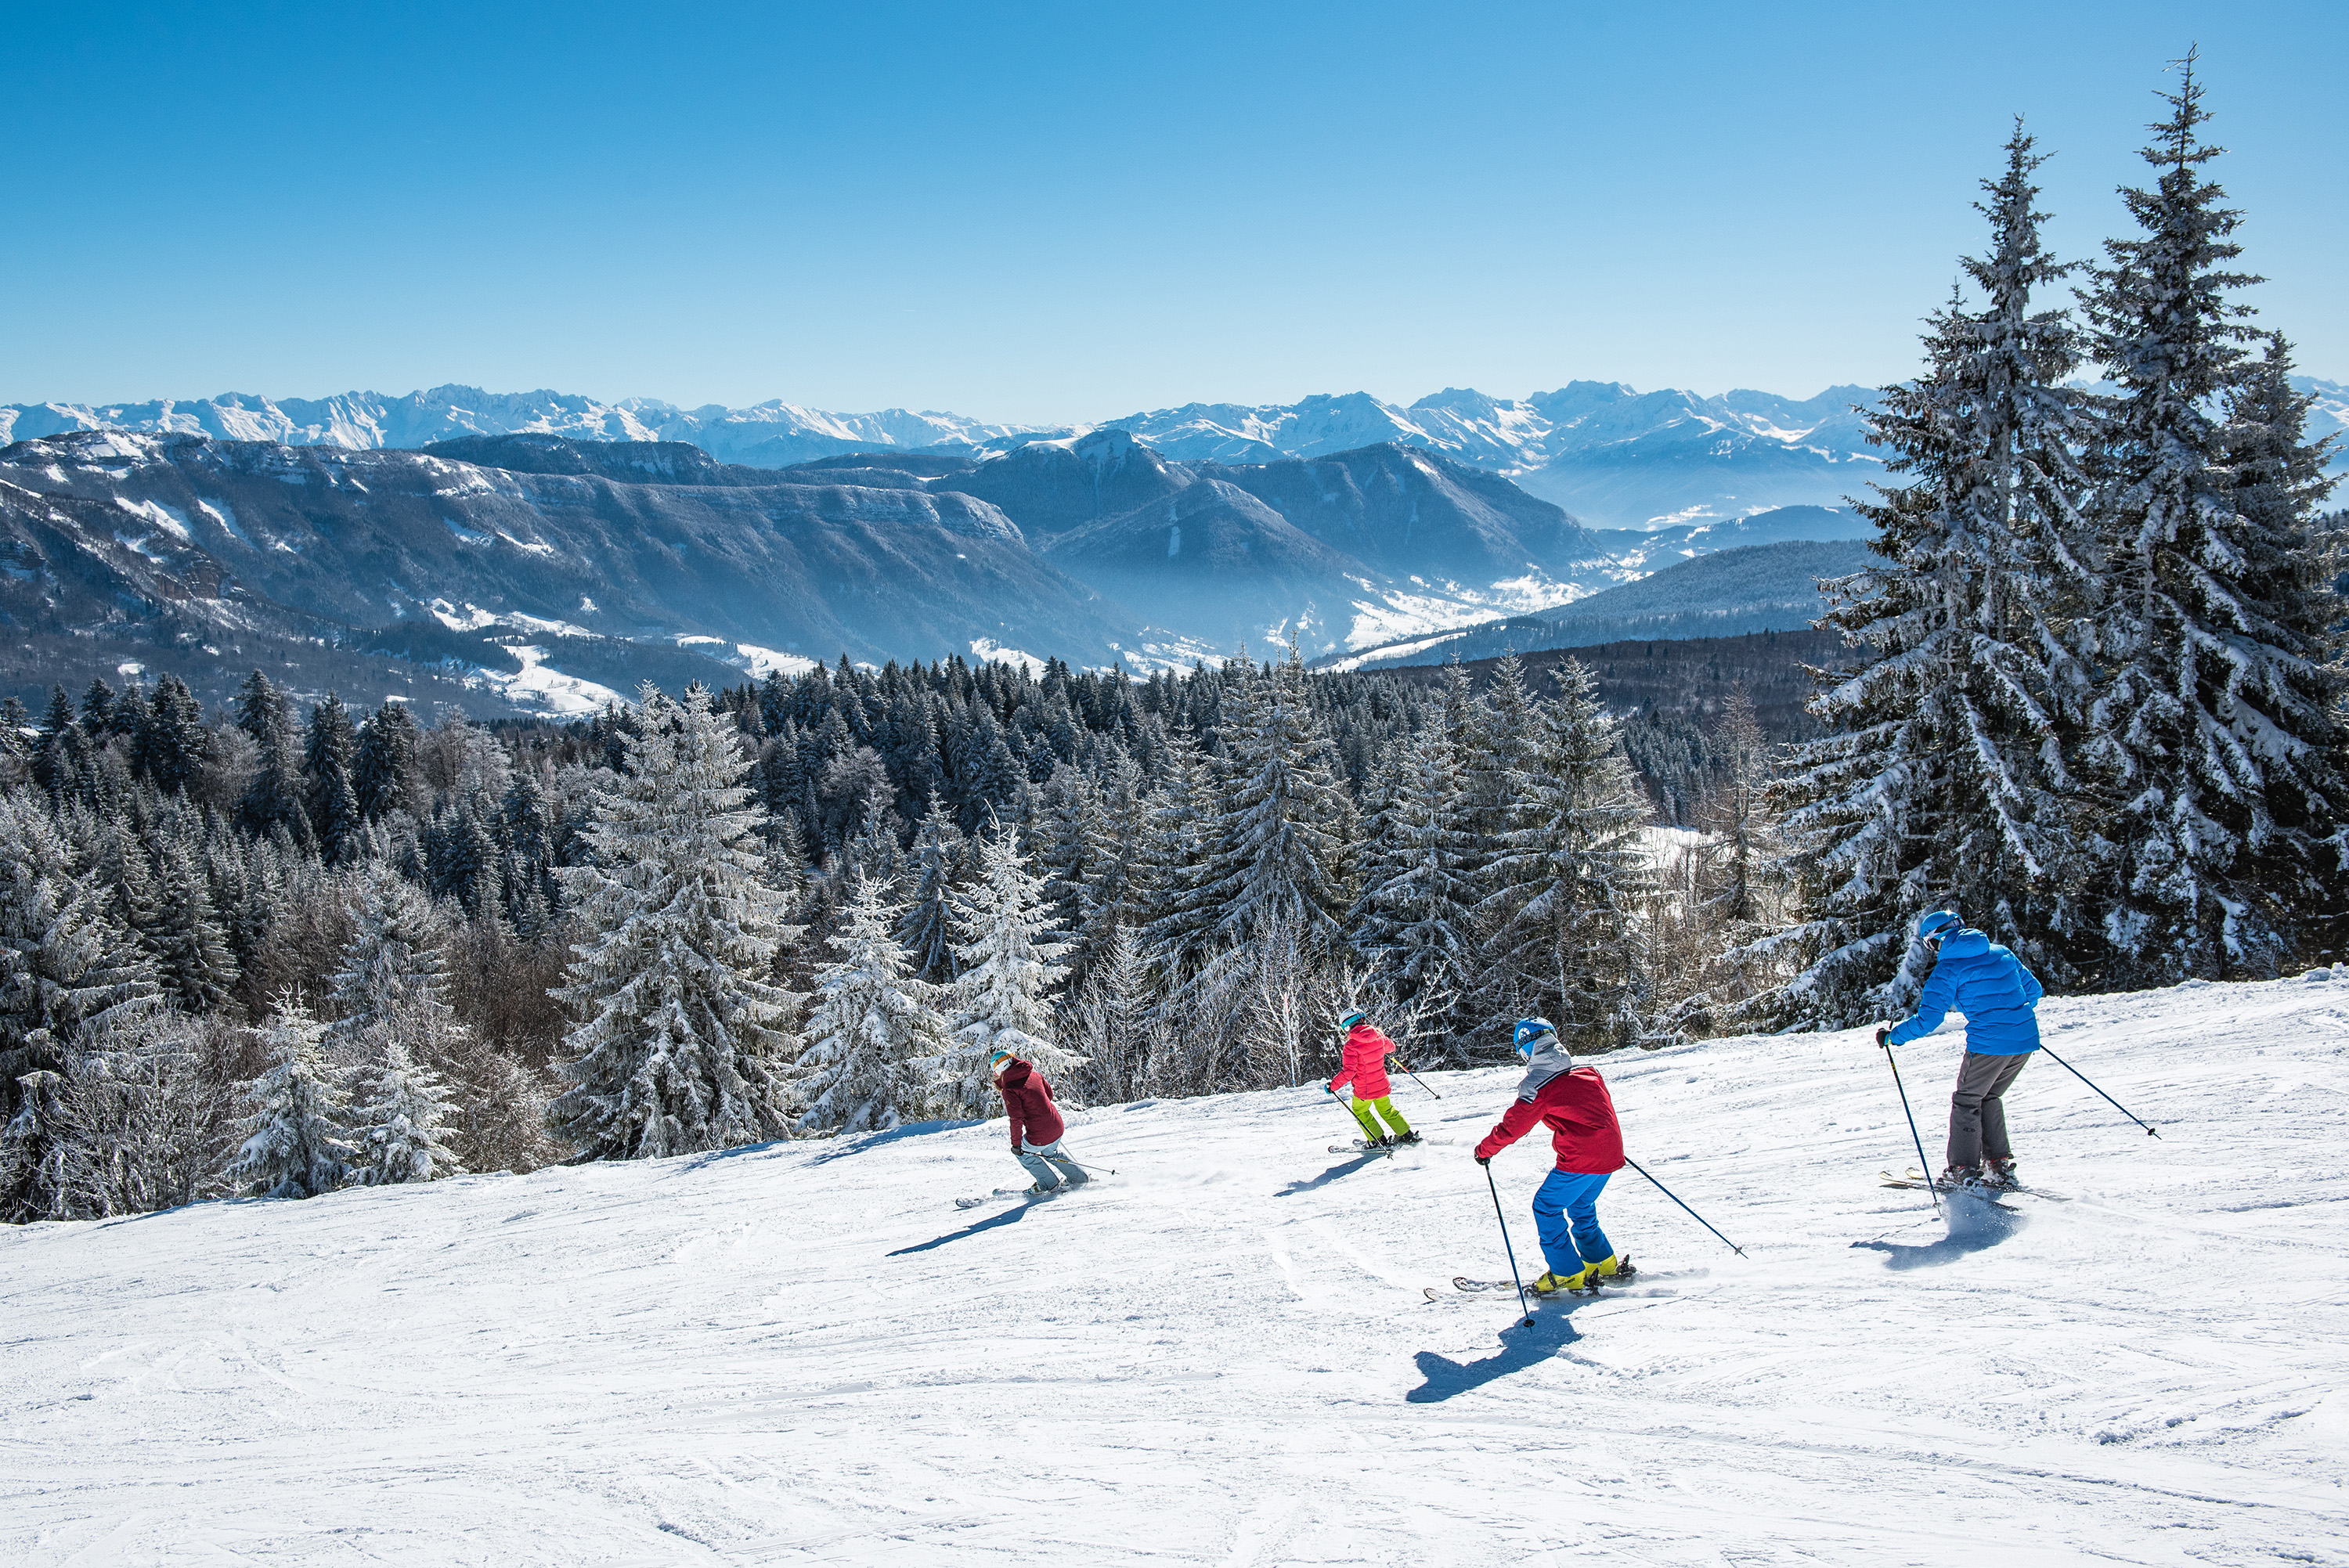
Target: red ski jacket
(1028,1101)
(1365,1064)
(1580,1112)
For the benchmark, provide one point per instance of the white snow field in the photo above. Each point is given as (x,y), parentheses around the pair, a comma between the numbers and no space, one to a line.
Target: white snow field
(805,1353)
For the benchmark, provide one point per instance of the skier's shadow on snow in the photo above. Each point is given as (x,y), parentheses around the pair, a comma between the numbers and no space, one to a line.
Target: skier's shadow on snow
(1523,1347)
(1974,1227)
(1008,1217)
(1343,1167)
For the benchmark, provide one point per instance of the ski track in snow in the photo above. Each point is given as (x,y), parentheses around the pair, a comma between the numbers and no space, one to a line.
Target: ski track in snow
(804,1353)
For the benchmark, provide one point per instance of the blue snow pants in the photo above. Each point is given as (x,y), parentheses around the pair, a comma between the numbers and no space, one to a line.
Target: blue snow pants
(1566,1211)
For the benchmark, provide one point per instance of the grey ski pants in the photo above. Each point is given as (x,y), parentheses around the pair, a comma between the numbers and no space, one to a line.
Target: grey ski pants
(1051,1165)
(1978,1109)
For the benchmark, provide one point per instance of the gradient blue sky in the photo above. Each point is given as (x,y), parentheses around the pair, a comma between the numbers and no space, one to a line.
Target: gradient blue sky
(1050,212)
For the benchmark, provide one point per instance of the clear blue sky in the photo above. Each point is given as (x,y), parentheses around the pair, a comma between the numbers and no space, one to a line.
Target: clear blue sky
(1071,211)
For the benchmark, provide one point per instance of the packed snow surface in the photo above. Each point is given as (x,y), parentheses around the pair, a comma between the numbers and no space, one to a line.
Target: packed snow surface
(1224,1354)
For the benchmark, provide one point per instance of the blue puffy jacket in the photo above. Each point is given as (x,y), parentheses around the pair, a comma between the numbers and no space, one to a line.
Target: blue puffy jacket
(1989,986)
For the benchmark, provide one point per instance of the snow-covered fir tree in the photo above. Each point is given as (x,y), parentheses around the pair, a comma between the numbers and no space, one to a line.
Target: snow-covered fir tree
(938,866)
(184,939)
(389,991)
(2214,732)
(683,1029)
(1177,860)
(1071,841)
(1417,912)
(298,1137)
(1569,877)
(66,965)
(874,1031)
(1282,844)
(403,1122)
(1947,776)
(1112,1022)
(1006,960)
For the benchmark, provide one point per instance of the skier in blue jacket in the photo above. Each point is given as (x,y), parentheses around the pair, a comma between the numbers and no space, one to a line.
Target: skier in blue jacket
(1998,997)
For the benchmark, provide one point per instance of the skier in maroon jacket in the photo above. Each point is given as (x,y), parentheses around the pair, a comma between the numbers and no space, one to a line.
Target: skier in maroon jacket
(1036,1124)
(1580,1114)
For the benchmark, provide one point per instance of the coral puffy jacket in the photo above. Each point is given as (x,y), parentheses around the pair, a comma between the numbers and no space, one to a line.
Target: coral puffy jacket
(1365,1064)
(1582,1114)
(1028,1101)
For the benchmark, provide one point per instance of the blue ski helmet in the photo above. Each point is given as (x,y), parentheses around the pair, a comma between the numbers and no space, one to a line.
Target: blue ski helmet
(1529,1034)
(1352,1018)
(1938,924)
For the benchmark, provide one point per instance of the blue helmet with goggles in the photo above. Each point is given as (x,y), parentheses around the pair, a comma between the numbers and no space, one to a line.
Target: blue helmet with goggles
(1530,1034)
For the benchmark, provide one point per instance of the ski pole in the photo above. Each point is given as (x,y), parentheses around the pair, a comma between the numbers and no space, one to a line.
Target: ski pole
(1096,1169)
(1514,1278)
(1693,1214)
(1414,1077)
(2116,1105)
(1927,1171)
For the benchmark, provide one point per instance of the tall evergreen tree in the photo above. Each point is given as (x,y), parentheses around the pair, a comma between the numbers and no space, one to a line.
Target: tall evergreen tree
(170,741)
(297,1142)
(1947,774)
(185,940)
(874,1031)
(683,1033)
(1004,963)
(2214,732)
(1282,844)
(274,799)
(328,750)
(66,967)
(1178,861)
(404,1126)
(938,866)
(389,990)
(1417,913)
(383,763)
(1570,875)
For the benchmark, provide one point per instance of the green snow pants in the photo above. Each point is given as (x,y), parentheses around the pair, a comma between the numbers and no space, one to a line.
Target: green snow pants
(1367,1111)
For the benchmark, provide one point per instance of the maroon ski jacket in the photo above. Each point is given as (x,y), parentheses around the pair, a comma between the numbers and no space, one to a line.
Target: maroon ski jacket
(1028,1101)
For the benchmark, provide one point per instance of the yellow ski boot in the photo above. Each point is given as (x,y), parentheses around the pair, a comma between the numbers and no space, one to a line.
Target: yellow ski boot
(1614,1269)
(1558,1285)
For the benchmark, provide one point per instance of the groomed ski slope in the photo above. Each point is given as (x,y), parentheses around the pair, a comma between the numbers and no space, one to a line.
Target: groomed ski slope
(806,1353)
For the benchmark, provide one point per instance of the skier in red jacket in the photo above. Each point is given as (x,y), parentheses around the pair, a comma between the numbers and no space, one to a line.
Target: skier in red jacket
(1365,1068)
(1580,1114)
(1036,1124)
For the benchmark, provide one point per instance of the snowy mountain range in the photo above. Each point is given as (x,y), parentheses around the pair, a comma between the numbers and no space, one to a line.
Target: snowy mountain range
(1614,455)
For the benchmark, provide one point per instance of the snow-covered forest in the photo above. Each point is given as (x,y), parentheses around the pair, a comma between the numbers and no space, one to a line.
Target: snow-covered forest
(2092,700)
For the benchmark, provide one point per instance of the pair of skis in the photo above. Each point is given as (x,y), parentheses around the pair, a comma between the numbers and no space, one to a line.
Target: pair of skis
(1610,1284)
(1364,1146)
(1916,1181)
(1000,1194)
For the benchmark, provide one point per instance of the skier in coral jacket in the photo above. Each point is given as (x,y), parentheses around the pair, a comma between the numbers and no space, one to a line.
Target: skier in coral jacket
(1036,1124)
(1365,1069)
(1573,1102)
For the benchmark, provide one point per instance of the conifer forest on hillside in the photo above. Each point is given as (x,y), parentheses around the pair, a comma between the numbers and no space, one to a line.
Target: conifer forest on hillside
(2092,698)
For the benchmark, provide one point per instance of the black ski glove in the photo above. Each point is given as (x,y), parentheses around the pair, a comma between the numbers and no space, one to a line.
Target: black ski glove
(1484,1160)
(1884,1035)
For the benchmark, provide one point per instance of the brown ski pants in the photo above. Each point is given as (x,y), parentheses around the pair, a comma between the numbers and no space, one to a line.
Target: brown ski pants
(1978,1109)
